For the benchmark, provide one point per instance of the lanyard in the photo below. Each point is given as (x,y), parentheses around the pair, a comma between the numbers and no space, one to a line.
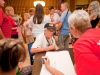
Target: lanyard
(49,42)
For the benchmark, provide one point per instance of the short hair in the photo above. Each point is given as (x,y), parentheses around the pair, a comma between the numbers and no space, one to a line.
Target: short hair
(51,7)
(66,4)
(80,20)
(31,10)
(27,15)
(7,9)
(11,52)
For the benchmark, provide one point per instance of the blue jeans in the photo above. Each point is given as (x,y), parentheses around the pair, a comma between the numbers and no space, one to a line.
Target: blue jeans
(30,54)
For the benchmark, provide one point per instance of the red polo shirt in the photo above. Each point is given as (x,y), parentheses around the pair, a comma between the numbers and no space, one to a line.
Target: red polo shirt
(14,25)
(5,25)
(87,53)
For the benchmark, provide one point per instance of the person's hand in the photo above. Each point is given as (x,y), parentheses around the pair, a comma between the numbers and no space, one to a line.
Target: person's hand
(57,32)
(51,47)
(20,67)
(56,48)
(47,62)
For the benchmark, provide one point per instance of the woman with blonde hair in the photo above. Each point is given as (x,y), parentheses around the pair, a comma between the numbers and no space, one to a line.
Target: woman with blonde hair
(10,12)
(94,12)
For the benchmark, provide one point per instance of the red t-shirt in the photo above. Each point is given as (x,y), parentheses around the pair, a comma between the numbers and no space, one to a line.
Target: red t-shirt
(87,53)
(5,25)
(14,25)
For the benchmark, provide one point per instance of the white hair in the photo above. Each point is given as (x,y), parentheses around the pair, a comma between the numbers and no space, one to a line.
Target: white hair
(80,20)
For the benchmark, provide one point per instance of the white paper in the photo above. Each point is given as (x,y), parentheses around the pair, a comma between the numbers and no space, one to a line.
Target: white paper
(61,61)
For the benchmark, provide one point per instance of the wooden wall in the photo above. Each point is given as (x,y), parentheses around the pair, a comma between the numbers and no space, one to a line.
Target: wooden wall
(23,6)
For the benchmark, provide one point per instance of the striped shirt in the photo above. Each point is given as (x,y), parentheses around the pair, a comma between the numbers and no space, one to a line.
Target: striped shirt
(5,25)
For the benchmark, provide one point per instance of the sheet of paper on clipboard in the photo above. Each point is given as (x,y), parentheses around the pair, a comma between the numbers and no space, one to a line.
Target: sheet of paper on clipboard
(61,61)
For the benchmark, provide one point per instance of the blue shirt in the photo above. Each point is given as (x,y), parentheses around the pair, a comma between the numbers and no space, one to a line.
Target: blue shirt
(64,19)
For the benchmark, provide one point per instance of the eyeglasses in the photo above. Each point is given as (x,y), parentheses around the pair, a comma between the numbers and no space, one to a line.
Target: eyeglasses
(51,30)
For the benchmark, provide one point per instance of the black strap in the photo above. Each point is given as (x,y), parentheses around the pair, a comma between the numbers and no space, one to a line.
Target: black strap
(67,13)
(49,42)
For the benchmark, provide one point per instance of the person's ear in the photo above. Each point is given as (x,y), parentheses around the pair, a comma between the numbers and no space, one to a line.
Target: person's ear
(75,30)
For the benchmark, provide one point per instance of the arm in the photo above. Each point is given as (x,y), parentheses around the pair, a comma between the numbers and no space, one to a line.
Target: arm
(50,69)
(36,50)
(59,26)
(1,34)
(14,28)
(1,21)
(41,44)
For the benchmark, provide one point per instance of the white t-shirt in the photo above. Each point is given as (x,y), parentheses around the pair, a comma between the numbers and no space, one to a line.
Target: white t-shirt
(55,17)
(38,28)
(42,42)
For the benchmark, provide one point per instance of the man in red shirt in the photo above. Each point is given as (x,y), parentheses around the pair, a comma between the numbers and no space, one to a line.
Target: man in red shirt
(86,48)
(5,26)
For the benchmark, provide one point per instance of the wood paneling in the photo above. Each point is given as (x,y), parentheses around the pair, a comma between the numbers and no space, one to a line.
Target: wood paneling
(72,4)
(22,6)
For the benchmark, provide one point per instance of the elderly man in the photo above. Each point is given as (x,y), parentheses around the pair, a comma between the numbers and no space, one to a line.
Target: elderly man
(45,41)
(63,27)
(86,48)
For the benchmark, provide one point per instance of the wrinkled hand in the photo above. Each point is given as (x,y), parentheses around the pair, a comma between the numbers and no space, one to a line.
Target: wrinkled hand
(47,62)
(51,47)
(20,67)
(56,48)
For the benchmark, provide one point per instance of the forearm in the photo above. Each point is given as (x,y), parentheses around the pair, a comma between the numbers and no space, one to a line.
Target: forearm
(54,71)
(59,26)
(1,34)
(14,28)
(36,50)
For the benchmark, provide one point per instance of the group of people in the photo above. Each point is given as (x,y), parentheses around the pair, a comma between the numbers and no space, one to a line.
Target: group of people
(41,29)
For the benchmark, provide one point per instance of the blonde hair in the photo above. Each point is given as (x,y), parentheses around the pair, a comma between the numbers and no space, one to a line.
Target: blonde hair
(80,20)
(7,9)
(11,52)
(96,8)
(27,15)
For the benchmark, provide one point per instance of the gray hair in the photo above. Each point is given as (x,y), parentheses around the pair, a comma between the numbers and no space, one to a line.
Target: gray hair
(80,20)
(96,8)
(66,4)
